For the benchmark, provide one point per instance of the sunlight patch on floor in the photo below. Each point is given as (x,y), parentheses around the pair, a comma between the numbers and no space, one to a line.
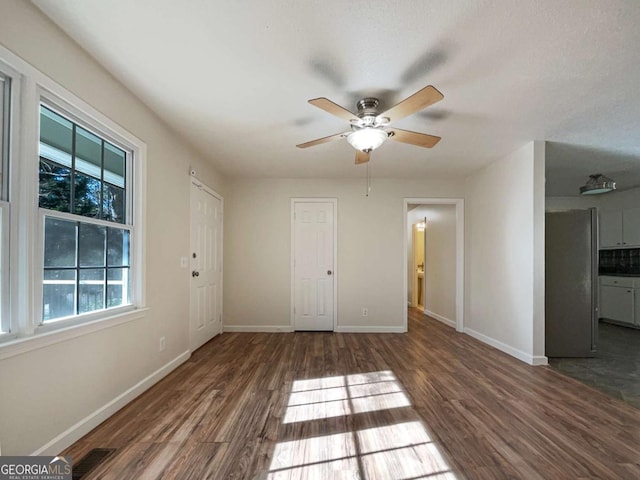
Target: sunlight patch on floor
(403,450)
(344,395)
(379,402)
(313,450)
(317,384)
(398,451)
(317,411)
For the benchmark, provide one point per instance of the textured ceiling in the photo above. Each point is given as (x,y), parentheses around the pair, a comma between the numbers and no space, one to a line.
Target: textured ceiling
(234,77)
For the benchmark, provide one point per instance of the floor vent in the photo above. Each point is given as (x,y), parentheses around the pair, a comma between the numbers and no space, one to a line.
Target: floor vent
(90,461)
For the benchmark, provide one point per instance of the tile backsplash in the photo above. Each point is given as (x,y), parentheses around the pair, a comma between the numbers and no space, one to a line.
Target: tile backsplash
(621,261)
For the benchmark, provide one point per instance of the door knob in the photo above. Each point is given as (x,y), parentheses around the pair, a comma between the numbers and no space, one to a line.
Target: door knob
(329,272)
(195,273)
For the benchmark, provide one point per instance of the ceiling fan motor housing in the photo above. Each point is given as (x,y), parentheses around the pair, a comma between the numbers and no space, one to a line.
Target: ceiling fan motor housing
(368,106)
(368,110)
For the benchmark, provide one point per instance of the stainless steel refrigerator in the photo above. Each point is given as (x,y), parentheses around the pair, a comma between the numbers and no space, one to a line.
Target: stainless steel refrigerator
(571,283)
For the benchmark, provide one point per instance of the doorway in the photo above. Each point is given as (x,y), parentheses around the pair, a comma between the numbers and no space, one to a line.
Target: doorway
(205,313)
(417,259)
(313,263)
(442,270)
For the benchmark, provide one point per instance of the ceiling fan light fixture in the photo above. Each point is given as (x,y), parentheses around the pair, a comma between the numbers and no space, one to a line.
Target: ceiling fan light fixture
(367,139)
(597,184)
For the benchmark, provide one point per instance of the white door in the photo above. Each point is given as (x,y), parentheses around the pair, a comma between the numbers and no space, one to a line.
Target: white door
(206,265)
(313,265)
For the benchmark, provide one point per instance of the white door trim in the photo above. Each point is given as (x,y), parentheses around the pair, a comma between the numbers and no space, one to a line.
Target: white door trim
(334,202)
(194,180)
(459,204)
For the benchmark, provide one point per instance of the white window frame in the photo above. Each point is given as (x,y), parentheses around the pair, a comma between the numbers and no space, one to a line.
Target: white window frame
(62,108)
(5,130)
(7,327)
(26,263)
(5,291)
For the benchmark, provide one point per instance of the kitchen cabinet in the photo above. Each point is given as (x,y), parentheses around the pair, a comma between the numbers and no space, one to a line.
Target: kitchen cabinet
(631,226)
(620,228)
(619,299)
(610,229)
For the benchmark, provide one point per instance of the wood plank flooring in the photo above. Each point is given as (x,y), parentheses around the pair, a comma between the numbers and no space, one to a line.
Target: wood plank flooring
(431,404)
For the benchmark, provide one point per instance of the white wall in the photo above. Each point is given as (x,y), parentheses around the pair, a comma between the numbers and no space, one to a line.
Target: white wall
(505,254)
(619,199)
(46,391)
(571,203)
(371,262)
(440,262)
(538,320)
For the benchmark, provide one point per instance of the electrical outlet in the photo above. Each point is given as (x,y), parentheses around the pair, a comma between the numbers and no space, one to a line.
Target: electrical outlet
(365,311)
(163,343)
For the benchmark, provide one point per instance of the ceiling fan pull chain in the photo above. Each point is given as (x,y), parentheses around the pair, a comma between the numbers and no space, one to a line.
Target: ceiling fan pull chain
(368,179)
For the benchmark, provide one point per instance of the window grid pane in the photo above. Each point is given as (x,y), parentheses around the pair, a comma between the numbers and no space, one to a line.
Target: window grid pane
(91,289)
(55,186)
(87,268)
(80,172)
(59,293)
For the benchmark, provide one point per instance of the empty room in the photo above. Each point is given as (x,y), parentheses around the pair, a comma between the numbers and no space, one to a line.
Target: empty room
(319,240)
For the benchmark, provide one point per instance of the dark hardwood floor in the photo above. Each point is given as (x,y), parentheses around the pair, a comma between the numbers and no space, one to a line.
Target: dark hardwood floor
(431,404)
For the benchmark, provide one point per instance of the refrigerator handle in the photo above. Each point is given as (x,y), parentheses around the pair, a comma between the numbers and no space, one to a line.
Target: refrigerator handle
(595,296)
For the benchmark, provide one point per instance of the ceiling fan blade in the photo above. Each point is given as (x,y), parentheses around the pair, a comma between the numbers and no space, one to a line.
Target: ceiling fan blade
(318,141)
(361,157)
(416,102)
(333,108)
(414,138)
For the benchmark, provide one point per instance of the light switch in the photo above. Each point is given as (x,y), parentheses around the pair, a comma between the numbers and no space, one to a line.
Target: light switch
(184,262)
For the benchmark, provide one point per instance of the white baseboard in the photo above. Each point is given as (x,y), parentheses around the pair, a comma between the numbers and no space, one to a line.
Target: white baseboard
(440,318)
(288,329)
(91,421)
(368,329)
(514,352)
(539,360)
(258,328)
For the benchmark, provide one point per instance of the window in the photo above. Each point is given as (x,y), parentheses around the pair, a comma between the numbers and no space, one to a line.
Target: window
(72,189)
(5,98)
(84,199)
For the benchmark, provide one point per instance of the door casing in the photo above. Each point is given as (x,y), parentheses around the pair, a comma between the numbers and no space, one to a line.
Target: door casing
(459,204)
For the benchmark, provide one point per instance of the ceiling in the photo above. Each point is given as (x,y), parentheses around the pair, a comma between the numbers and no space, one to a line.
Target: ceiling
(234,77)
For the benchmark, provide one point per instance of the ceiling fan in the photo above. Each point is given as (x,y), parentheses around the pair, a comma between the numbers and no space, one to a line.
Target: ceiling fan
(370,128)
